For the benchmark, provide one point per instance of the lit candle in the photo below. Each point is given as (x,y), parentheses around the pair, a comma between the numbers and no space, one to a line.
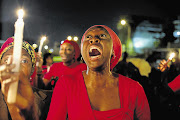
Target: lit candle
(18,39)
(170,57)
(40,47)
(41,43)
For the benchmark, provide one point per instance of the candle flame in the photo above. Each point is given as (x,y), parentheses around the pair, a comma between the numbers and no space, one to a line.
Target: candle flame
(20,13)
(171,56)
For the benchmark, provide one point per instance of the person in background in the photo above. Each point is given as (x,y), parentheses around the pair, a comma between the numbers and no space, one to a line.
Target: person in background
(122,64)
(164,96)
(31,103)
(174,84)
(69,52)
(47,62)
(97,93)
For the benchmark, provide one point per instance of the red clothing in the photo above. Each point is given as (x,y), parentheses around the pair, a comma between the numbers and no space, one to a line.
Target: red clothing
(44,69)
(70,96)
(58,69)
(175,84)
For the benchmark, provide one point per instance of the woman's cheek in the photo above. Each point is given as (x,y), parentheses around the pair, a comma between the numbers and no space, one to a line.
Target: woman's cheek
(26,69)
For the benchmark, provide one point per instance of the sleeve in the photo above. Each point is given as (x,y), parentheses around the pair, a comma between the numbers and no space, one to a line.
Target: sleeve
(175,84)
(142,111)
(58,106)
(49,74)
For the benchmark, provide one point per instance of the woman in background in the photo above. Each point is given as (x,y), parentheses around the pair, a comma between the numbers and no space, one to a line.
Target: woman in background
(69,52)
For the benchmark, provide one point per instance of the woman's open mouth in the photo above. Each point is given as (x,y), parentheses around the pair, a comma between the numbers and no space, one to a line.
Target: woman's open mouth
(95,52)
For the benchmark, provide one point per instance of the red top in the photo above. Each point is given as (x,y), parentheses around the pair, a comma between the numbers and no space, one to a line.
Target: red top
(59,69)
(70,96)
(175,84)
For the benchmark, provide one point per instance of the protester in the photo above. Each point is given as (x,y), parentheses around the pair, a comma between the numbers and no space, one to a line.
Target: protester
(163,96)
(69,52)
(31,103)
(99,94)
(122,64)
(174,84)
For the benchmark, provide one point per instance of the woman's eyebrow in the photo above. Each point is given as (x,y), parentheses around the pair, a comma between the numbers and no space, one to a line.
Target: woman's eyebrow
(25,55)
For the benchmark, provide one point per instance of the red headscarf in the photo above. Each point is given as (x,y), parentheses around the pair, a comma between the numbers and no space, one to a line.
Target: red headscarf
(9,43)
(117,48)
(76,47)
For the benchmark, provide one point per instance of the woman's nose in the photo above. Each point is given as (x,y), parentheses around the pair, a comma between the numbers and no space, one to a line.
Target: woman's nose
(94,40)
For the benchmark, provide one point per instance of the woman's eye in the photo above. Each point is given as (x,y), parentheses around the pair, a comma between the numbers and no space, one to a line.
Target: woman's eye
(24,61)
(69,49)
(6,61)
(102,36)
(89,36)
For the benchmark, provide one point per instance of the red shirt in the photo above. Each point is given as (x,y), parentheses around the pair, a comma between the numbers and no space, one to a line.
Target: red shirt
(59,69)
(70,96)
(175,84)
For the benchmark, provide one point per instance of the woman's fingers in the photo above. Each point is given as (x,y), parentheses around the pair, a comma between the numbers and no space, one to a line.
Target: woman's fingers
(5,84)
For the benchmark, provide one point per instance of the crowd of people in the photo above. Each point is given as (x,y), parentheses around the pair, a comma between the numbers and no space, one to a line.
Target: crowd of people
(97,88)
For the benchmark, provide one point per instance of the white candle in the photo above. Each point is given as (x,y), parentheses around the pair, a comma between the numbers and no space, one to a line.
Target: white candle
(171,56)
(40,47)
(41,44)
(18,39)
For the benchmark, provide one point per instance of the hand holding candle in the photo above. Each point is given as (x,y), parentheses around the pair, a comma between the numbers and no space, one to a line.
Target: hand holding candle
(164,64)
(18,38)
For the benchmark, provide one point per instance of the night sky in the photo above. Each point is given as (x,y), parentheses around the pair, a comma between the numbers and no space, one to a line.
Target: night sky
(59,18)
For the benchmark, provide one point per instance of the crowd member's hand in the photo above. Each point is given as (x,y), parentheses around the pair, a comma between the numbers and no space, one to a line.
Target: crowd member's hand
(24,105)
(163,65)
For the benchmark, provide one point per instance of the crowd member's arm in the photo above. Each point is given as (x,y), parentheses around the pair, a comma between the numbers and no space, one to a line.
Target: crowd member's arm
(175,84)
(58,106)
(142,111)
(24,107)
(47,77)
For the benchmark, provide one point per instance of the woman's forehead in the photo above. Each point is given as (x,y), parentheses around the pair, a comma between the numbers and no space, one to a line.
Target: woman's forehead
(96,29)
(10,52)
(66,45)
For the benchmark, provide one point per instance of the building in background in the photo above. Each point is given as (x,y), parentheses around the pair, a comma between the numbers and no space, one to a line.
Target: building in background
(147,36)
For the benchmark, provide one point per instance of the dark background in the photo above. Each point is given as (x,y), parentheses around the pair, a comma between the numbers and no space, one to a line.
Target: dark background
(59,18)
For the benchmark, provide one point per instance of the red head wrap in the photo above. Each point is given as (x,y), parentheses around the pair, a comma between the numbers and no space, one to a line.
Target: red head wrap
(25,45)
(76,47)
(117,48)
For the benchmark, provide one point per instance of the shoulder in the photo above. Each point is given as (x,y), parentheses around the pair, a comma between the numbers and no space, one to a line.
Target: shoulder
(70,79)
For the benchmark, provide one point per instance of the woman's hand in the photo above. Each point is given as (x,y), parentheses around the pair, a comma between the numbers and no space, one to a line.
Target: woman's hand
(24,105)
(163,65)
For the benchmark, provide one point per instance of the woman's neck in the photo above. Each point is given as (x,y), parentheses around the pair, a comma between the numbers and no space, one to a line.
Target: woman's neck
(103,78)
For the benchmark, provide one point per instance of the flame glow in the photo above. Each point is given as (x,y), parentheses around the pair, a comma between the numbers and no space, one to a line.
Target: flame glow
(171,56)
